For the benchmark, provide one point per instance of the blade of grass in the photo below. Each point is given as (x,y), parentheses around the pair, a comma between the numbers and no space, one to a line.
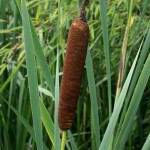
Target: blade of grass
(11,75)
(24,121)
(21,134)
(2,16)
(93,98)
(136,74)
(146,145)
(40,56)
(56,127)
(47,121)
(11,91)
(32,77)
(133,107)
(103,13)
(21,118)
(42,61)
(124,48)
(146,4)
(5,132)
(72,142)
(117,109)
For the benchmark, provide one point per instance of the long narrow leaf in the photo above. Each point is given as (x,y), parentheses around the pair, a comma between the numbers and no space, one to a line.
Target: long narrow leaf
(42,61)
(93,97)
(72,142)
(32,77)
(47,121)
(146,4)
(11,75)
(40,56)
(56,127)
(113,120)
(133,107)
(142,57)
(146,145)
(103,13)
(23,121)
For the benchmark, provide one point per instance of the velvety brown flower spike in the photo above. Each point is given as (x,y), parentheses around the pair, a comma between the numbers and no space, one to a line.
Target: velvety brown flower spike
(73,69)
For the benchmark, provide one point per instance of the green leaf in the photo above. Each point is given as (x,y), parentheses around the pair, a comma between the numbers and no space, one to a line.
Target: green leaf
(24,121)
(11,75)
(42,61)
(140,62)
(32,77)
(117,109)
(146,4)
(93,97)
(72,141)
(47,121)
(134,104)
(146,145)
(103,13)
(56,127)
(40,56)
(21,118)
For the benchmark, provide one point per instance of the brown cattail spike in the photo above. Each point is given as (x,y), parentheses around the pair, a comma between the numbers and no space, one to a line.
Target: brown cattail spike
(72,72)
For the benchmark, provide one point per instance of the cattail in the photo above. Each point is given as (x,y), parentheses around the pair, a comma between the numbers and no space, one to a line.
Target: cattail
(73,69)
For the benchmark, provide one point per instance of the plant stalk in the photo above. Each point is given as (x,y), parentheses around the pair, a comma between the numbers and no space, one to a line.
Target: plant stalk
(123,56)
(63,142)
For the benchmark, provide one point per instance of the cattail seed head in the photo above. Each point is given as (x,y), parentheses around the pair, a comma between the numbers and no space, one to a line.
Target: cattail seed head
(72,72)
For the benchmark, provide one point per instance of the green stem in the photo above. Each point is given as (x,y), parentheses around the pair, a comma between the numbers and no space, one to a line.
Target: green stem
(84,121)
(64,135)
(124,47)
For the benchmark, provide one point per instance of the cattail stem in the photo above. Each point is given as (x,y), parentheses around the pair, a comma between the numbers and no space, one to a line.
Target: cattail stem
(82,10)
(63,142)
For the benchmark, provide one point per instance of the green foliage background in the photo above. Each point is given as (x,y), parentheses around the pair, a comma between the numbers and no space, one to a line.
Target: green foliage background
(33,36)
